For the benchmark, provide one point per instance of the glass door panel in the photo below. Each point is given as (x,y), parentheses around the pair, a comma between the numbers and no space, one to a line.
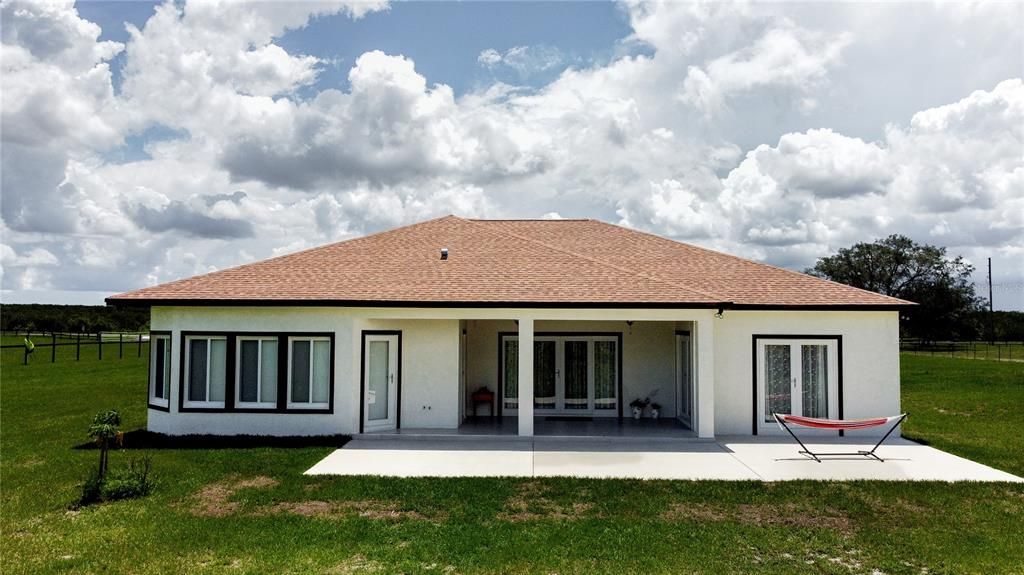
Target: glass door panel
(814,380)
(606,375)
(778,381)
(511,374)
(576,375)
(685,381)
(544,375)
(377,380)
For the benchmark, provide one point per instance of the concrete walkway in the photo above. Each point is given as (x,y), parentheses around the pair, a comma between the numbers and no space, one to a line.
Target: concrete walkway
(739,458)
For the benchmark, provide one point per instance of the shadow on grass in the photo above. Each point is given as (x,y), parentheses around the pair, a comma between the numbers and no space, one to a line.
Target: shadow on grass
(915,438)
(143,439)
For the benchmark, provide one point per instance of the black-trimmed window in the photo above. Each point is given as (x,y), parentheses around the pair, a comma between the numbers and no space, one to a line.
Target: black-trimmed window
(309,372)
(160,370)
(206,369)
(256,381)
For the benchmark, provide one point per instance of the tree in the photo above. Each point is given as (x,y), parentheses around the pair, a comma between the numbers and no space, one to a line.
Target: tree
(105,429)
(899,267)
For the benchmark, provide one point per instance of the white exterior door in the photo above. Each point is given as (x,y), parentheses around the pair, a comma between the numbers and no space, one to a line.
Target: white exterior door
(572,375)
(380,383)
(796,377)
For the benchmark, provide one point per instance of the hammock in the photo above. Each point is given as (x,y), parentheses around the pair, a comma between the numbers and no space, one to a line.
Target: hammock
(838,424)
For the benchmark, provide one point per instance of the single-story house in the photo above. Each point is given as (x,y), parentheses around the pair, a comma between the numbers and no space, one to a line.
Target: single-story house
(521,321)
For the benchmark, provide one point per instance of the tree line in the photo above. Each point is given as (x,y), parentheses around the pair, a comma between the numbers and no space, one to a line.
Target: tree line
(948,309)
(72,318)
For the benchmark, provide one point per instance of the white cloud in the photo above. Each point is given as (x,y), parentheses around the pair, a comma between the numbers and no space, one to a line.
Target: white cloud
(489,58)
(524,60)
(724,132)
(786,56)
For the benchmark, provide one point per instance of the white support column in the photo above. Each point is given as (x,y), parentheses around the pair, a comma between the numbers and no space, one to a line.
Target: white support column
(706,375)
(526,376)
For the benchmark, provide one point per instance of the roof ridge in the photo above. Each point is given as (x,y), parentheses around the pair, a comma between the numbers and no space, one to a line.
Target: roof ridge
(598,261)
(747,260)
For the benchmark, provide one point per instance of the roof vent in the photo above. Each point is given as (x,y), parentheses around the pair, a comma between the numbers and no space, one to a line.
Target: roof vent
(444,253)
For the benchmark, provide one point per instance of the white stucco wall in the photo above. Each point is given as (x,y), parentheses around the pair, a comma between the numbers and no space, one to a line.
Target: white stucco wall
(430,359)
(265,319)
(430,370)
(871,368)
(648,358)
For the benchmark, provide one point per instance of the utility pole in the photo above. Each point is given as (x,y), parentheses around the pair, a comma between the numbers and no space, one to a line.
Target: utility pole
(991,312)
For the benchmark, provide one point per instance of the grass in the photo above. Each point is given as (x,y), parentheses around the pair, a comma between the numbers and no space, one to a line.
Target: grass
(249,510)
(972,408)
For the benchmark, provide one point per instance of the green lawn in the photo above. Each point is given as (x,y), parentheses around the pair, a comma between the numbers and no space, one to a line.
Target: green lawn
(972,408)
(251,510)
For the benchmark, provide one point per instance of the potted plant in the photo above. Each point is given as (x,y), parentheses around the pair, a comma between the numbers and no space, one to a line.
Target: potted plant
(655,410)
(638,406)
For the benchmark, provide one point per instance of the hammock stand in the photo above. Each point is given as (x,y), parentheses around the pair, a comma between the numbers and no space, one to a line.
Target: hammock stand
(838,424)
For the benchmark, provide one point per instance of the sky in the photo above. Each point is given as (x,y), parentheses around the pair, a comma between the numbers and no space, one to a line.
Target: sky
(144,142)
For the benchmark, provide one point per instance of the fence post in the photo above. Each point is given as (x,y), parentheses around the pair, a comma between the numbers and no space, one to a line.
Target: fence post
(53,347)
(99,340)
(78,347)
(139,338)
(120,345)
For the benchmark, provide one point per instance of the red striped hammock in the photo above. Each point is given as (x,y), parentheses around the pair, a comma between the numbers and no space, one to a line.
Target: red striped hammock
(844,424)
(838,424)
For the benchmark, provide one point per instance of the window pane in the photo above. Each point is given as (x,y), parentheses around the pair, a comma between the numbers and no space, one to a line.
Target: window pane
(300,372)
(576,375)
(167,368)
(268,371)
(511,373)
(544,375)
(778,392)
(218,368)
(605,374)
(248,371)
(814,371)
(197,370)
(158,368)
(378,380)
(321,371)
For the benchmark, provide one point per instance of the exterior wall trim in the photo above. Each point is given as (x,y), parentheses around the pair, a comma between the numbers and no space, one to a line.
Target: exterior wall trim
(724,305)
(362,375)
(753,356)
(230,367)
(149,371)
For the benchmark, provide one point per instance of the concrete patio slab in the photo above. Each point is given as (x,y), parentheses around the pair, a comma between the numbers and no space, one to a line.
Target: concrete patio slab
(905,460)
(657,461)
(740,458)
(422,461)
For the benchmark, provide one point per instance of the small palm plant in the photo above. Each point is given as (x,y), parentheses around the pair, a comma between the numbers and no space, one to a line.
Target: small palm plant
(105,430)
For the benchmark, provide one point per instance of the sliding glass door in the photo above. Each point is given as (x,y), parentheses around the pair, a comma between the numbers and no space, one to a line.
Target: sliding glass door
(797,377)
(572,375)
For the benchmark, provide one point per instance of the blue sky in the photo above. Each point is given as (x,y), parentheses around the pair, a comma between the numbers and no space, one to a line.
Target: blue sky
(226,133)
(444,38)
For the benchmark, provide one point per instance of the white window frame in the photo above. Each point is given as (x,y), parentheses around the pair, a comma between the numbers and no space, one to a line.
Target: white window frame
(330,379)
(186,402)
(794,343)
(259,403)
(164,402)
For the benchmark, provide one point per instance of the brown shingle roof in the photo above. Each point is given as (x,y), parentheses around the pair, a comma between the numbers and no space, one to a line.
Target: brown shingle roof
(509,262)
